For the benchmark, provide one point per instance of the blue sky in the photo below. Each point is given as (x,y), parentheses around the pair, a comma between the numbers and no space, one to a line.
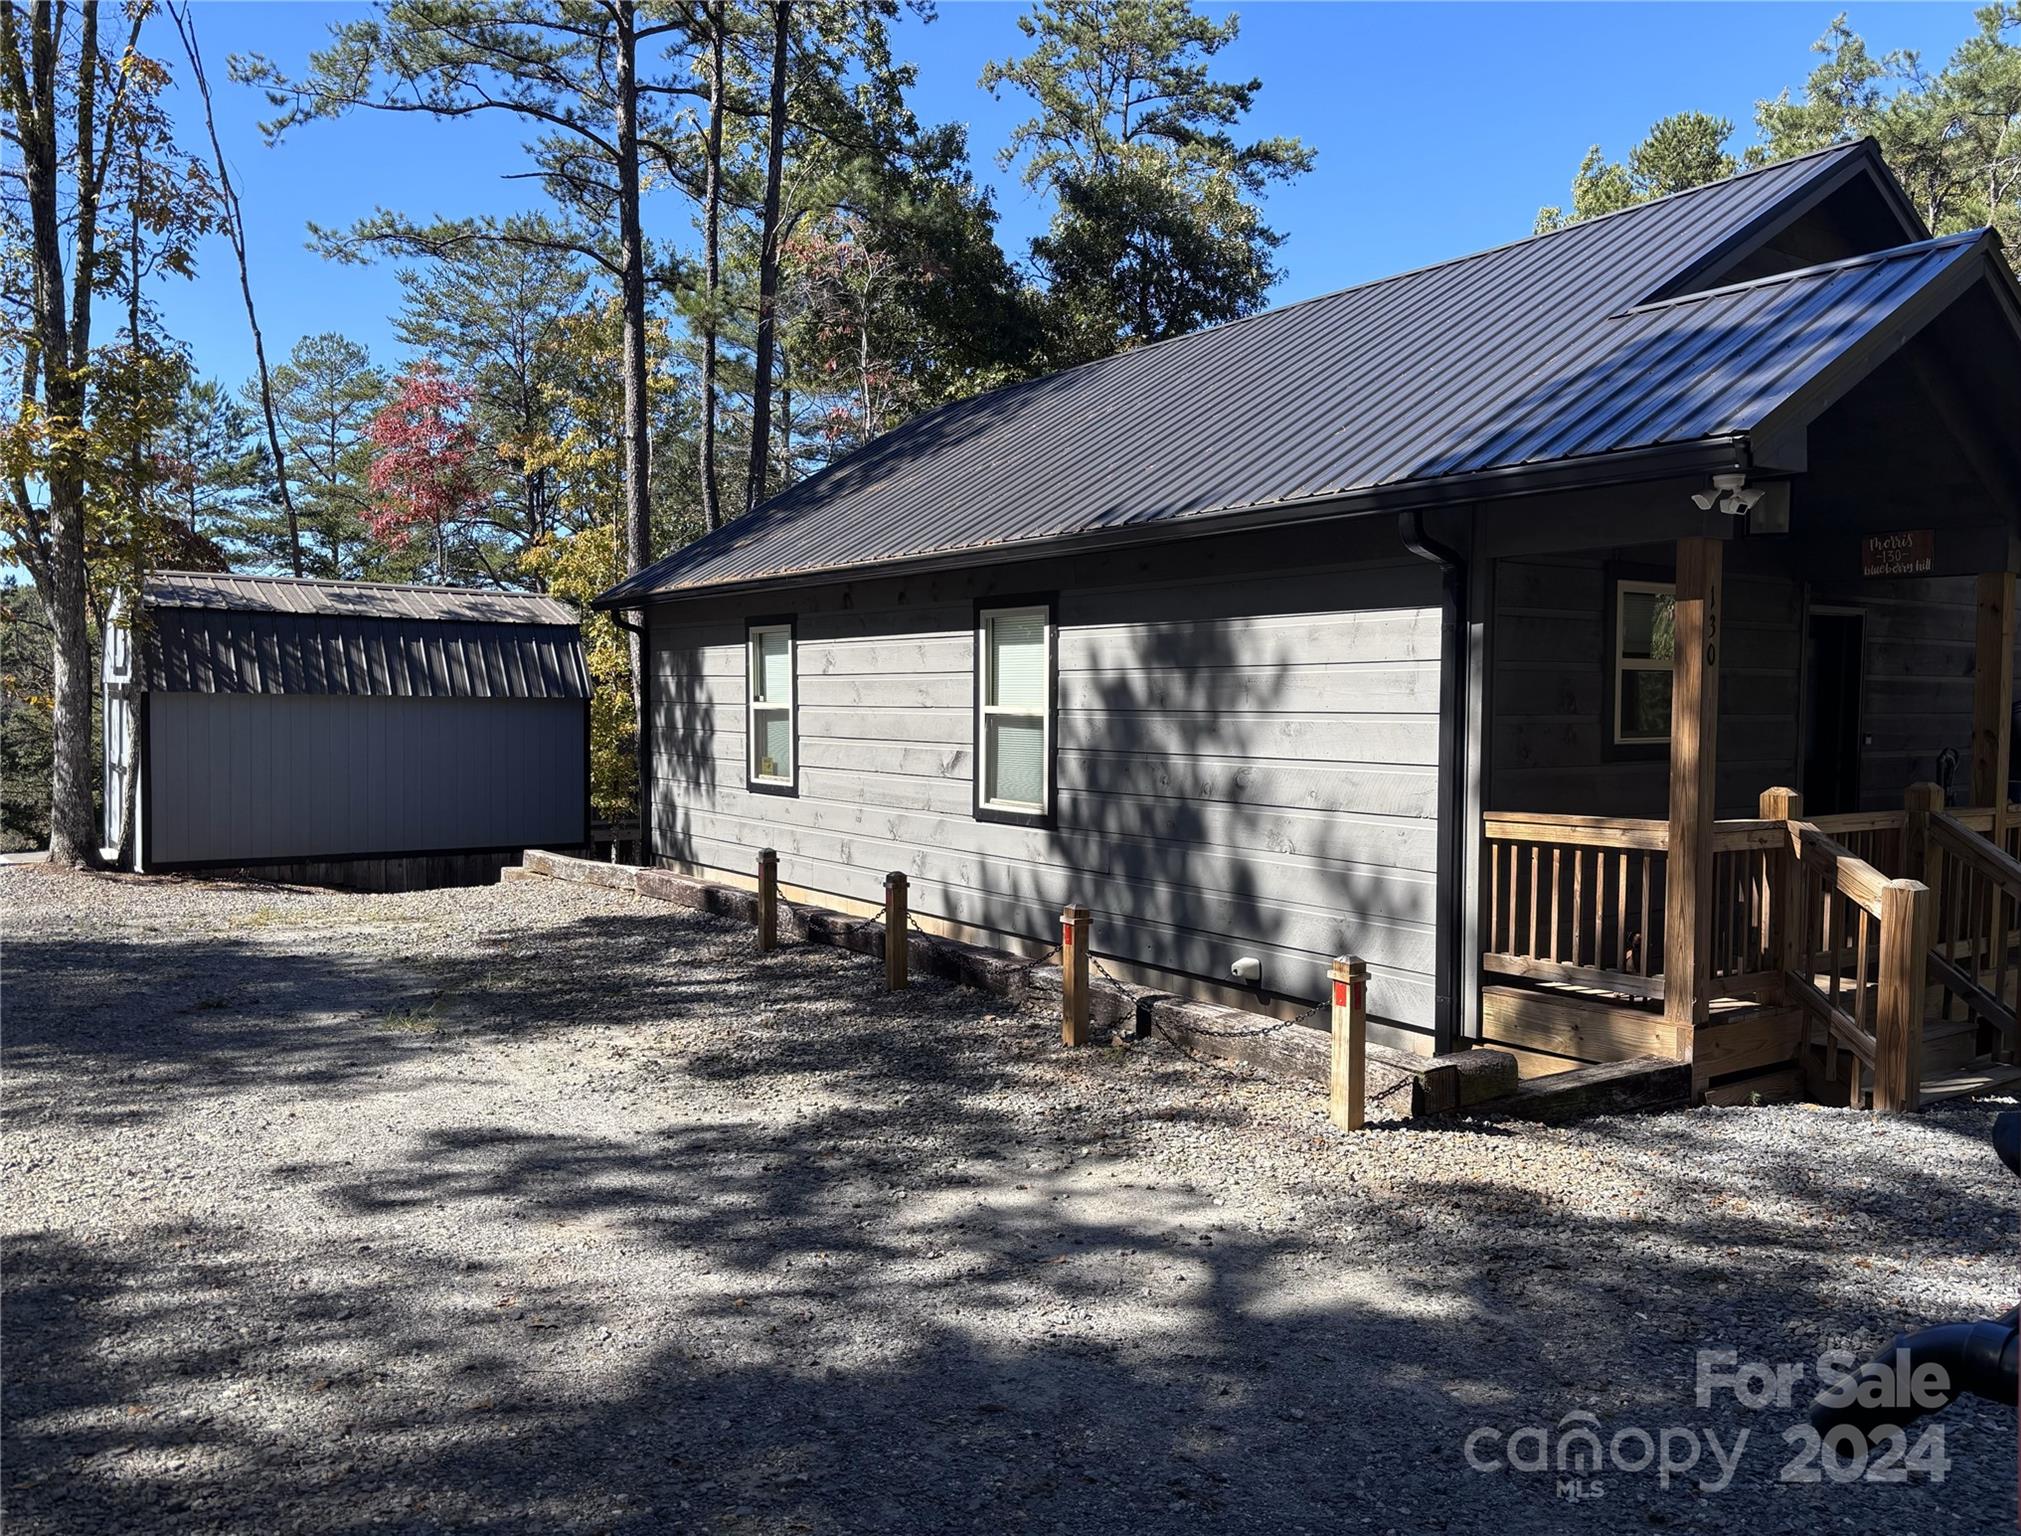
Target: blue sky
(1440,129)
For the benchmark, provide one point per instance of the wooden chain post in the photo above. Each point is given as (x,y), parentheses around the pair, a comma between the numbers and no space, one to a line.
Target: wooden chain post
(1074,976)
(897,933)
(768,901)
(1348,1096)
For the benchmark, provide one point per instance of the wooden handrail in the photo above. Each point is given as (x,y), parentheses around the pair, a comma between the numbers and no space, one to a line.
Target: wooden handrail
(1576,831)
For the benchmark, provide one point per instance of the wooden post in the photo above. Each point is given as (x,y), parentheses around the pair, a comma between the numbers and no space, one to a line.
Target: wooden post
(1348,1099)
(1919,855)
(897,933)
(1993,698)
(768,901)
(1786,918)
(1694,763)
(1074,976)
(1898,1016)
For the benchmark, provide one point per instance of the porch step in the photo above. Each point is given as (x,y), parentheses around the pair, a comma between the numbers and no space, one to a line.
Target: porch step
(1969,1081)
(1553,1029)
(1949,1044)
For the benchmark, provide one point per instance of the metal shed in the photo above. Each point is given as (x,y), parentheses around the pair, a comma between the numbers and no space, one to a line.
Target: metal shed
(285,722)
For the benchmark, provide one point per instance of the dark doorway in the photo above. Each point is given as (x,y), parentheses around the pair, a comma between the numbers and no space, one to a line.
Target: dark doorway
(1834,670)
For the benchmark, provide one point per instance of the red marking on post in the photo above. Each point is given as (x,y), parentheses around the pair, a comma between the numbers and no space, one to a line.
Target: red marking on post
(1340,994)
(1067,934)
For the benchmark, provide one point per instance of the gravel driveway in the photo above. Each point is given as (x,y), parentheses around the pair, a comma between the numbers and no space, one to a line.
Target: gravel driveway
(546,1209)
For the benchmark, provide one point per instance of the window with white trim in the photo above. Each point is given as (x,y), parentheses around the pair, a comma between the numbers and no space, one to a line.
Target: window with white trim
(1645,656)
(1014,728)
(768,671)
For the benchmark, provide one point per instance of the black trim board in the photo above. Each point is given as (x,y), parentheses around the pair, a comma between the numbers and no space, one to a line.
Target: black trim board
(261,861)
(1049,601)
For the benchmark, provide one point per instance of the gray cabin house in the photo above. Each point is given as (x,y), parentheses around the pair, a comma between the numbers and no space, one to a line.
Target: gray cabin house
(358,732)
(1460,620)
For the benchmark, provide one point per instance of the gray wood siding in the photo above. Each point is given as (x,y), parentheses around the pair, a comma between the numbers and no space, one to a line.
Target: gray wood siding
(1921,638)
(1245,765)
(1552,669)
(247,777)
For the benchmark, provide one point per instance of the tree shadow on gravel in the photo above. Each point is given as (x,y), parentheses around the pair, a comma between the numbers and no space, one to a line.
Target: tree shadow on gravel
(906,1272)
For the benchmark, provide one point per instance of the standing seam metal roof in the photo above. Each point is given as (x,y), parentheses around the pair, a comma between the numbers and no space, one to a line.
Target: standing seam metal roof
(1539,351)
(210,633)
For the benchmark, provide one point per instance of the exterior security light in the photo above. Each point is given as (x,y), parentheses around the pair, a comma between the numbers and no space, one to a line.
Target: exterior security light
(1731,494)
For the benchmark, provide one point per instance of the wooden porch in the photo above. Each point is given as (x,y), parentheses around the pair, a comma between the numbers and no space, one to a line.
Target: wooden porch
(1851,959)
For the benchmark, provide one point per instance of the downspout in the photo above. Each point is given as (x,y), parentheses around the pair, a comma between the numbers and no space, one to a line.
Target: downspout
(644,683)
(1450,961)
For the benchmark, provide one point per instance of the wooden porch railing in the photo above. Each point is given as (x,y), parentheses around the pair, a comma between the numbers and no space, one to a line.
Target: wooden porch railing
(1868,922)
(1975,923)
(1576,899)
(1579,900)
(1854,947)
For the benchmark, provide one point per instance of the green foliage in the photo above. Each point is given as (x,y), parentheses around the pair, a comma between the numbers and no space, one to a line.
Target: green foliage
(1952,138)
(483,311)
(26,739)
(325,396)
(1156,231)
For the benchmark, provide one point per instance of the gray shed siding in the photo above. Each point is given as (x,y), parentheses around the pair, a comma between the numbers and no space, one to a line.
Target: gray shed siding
(1246,764)
(250,778)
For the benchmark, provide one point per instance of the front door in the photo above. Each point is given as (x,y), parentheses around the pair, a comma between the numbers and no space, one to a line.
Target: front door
(1834,675)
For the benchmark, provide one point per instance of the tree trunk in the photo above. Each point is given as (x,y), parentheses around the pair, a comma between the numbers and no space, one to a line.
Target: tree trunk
(768,263)
(63,337)
(712,228)
(632,277)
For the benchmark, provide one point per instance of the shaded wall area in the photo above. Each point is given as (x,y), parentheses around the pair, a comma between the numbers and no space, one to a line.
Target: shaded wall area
(1552,669)
(1246,756)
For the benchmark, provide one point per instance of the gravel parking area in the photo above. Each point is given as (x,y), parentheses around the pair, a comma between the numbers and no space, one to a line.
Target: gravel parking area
(540,1208)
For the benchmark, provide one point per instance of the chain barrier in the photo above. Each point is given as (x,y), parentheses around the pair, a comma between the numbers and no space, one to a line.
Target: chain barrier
(1029,966)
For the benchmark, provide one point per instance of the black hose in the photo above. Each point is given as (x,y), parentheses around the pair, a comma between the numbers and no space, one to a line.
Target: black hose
(2007,1139)
(1897,1386)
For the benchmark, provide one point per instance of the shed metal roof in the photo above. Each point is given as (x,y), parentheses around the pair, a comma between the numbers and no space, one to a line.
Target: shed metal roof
(353,599)
(212,633)
(1547,351)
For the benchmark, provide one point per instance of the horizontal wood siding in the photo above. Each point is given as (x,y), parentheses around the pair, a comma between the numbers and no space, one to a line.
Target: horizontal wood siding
(261,777)
(1921,638)
(1246,764)
(1552,670)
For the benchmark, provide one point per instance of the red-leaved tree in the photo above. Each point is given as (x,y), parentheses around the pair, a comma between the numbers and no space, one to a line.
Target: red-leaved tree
(424,474)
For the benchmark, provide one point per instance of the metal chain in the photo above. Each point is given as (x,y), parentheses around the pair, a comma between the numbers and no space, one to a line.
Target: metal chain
(1029,966)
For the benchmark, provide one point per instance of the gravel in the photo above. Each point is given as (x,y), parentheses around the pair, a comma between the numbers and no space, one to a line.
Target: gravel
(544,1208)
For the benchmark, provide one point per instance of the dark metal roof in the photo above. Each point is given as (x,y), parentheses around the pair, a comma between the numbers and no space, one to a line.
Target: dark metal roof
(353,599)
(239,634)
(1540,352)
